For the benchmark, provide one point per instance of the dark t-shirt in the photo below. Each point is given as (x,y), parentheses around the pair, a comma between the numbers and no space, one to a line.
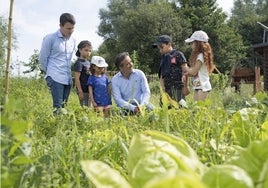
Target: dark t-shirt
(82,66)
(170,69)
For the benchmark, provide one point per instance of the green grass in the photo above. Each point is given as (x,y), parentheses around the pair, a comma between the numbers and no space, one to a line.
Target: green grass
(40,150)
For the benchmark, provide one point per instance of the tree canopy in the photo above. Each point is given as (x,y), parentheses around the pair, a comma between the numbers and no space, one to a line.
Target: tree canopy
(134,26)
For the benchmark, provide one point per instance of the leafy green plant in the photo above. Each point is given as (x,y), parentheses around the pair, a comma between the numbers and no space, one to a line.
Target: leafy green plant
(161,160)
(42,150)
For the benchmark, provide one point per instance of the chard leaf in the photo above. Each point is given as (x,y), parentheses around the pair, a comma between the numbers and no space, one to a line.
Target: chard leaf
(155,154)
(242,128)
(254,161)
(182,180)
(227,176)
(264,130)
(102,175)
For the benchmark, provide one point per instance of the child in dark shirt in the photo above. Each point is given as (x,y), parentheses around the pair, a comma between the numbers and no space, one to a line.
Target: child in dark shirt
(82,72)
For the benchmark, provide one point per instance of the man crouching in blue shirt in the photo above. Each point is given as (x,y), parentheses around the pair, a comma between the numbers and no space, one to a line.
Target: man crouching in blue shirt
(130,88)
(55,60)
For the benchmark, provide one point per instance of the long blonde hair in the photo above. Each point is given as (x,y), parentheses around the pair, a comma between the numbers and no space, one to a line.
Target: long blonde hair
(206,50)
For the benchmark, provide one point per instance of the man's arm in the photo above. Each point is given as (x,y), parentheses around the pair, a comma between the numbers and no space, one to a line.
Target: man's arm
(116,93)
(146,94)
(44,53)
(78,84)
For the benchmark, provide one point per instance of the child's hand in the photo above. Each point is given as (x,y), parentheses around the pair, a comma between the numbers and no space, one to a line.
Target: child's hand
(94,104)
(81,95)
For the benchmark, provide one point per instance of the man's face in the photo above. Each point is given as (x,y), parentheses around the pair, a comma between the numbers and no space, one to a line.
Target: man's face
(67,29)
(126,66)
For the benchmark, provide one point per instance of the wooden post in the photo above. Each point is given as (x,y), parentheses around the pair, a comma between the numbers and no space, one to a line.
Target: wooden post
(257,84)
(8,54)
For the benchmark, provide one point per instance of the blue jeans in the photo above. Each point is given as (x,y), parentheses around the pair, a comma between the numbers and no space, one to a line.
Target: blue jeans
(60,92)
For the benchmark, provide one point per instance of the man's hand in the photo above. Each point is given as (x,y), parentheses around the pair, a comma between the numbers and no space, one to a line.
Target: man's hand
(137,110)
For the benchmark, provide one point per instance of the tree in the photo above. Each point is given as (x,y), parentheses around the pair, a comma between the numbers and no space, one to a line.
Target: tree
(134,26)
(4,43)
(33,64)
(245,15)
(227,44)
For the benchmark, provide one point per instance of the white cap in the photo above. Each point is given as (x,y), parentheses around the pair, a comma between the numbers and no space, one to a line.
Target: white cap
(98,61)
(198,36)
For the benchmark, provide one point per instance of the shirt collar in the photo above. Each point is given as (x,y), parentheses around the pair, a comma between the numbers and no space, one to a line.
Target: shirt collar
(82,60)
(59,34)
(120,74)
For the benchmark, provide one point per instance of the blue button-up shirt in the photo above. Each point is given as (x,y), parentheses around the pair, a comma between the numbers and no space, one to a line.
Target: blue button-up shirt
(55,57)
(127,91)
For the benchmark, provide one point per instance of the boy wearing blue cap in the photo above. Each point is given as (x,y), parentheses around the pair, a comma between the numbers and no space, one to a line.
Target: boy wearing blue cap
(172,64)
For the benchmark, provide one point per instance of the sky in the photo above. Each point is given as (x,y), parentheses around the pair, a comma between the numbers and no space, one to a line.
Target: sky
(33,19)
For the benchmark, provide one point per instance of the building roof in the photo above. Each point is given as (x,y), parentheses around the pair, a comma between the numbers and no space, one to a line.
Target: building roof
(265,44)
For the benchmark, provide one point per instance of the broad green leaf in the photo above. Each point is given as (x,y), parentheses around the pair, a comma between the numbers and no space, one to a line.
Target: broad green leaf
(181,180)
(102,175)
(264,130)
(254,161)
(155,154)
(227,176)
(153,165)
(17,128)
(263,179)
(20,160)
(242,127)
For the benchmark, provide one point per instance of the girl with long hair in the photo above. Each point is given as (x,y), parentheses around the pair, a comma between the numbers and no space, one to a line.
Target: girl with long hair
(201,64)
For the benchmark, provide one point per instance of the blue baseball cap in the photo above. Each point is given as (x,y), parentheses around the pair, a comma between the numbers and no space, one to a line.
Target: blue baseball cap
(162,39)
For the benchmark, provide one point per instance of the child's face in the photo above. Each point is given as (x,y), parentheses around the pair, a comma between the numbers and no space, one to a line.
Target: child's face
(99,70)
(193,45)
(164,48)
(85,52)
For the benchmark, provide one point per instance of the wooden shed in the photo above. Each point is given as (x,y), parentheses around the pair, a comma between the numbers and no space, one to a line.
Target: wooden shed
(261,50)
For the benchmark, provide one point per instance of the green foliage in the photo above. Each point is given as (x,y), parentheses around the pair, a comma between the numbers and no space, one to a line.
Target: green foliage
(254,161)
(3,43)
(227,176)
(244,17)
(219,81)
(163,158)
(33,64)
(42,150)
(135,27)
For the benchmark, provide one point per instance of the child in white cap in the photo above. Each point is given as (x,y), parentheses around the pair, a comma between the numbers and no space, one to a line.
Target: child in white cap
(98,86)
(201,64)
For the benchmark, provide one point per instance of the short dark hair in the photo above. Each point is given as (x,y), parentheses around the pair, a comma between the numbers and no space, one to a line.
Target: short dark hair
(119,58)
(67,17)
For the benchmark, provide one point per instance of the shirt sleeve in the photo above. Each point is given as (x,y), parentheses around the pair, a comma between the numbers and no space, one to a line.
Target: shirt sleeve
(45,52)
(116,93)
(145,89)
(78,66)
(200,57)
(90,81)
(181,58)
